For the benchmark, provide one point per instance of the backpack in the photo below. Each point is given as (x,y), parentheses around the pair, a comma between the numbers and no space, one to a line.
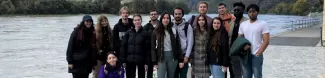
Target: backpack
(187,23)
(185,28)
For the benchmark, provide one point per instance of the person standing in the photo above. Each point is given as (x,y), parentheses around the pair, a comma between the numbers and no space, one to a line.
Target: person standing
(104,38)
(165,47)
(119,30)
(235,68)
(200,66)
(185,33)
(153,23)
(149,27)
(256,31)
(218,49)
(225,15)
(134,49)
(203,10)
(82,48)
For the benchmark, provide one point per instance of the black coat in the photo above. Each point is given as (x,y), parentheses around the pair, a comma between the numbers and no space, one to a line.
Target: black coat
(222,57)
(81,50)
(119,31)
(135,47)
(157,47)
(149,27)
(106,44)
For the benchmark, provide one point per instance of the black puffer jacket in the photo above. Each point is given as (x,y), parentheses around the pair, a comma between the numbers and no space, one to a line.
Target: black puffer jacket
(135,47)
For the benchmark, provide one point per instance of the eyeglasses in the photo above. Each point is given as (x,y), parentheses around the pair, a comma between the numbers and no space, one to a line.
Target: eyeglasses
(153,14)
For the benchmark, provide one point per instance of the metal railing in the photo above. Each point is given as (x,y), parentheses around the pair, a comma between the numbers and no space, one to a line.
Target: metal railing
(321,37)
(299,24)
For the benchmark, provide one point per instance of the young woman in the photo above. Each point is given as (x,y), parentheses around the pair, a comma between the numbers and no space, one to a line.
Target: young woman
(82,49)
(199,58)
(218,49)
(165,47)
(104,38)
(134,49)
(111,69)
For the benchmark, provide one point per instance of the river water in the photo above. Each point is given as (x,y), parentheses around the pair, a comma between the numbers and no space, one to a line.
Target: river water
(35,46)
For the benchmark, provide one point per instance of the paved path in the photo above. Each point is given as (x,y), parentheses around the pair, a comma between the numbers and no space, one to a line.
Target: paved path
(303,37)
(293,62)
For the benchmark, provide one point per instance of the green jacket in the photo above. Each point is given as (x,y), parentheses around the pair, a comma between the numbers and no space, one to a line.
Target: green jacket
(237,49)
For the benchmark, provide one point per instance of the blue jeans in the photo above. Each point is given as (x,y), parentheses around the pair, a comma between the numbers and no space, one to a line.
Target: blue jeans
(254,66)
(216,71)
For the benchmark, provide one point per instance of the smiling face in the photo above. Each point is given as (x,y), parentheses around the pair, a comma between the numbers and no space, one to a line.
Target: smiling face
(88,23)
(125,14)
(203,8)
(111,59)
(201,21)
(165,20)
(104,22)
(216,24)
(153,15)
(178,15)
(137,21)
(222,9)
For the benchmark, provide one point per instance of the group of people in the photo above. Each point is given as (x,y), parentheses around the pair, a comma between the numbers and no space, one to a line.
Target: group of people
(169,45)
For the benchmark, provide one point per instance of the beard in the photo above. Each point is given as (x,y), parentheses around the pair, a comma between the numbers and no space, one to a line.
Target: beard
(253,18)
(178,19)
(153,19)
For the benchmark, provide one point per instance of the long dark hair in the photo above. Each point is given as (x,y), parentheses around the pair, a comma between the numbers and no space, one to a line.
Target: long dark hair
(81,28)
(159,31)
(222,27)
(198,27)
(215,35)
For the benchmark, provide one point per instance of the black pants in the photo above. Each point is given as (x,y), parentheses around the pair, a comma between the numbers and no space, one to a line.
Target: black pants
(235,68)
(131,70)
(80,75)
(150,70)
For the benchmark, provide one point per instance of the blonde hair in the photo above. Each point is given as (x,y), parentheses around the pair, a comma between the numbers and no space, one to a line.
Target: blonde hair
(99,31)
(124,8)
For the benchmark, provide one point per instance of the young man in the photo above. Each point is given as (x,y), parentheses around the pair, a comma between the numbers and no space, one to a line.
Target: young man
(185,32)
(149,27)
(257,33)
(203,10)
(225,15)
(235,68)
(123,25)
(153,21)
